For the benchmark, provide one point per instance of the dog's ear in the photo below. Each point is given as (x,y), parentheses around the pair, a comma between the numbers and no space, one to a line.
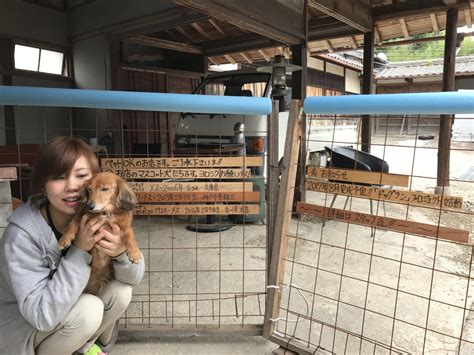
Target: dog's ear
(126,198)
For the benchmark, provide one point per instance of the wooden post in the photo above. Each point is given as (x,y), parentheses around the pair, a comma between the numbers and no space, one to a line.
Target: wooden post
(299,82)
(446,121)
(6,62)
(114,72)
(283,218)
(367,87)
(273,178)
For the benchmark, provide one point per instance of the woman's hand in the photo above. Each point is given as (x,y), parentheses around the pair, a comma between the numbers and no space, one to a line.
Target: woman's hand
(88,234)
(111,243)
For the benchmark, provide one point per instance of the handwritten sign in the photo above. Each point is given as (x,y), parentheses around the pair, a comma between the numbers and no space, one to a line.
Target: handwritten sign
(375,193)
(366,177)
(8,174)
(192,210)
(165,163)
(392,224)
(224,173)
(190,186)
(198,196)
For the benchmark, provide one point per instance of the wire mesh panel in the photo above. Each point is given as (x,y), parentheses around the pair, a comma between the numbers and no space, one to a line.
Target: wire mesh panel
(194,280)
(378,263)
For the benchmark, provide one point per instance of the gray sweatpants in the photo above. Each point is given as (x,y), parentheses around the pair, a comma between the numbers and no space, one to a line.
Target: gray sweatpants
(91,318)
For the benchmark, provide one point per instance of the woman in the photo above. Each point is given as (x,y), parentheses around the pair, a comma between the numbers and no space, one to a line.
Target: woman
(43,307)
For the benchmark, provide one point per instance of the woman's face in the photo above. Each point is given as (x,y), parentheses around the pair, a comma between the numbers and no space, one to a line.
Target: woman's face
(64,193)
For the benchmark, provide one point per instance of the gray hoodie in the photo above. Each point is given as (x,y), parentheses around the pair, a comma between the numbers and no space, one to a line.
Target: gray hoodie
(38,287)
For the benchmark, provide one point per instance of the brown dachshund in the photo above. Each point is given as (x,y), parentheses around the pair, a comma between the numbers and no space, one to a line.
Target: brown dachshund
(110,198)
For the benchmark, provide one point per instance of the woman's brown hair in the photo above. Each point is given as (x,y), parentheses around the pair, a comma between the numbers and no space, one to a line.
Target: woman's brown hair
(57,157)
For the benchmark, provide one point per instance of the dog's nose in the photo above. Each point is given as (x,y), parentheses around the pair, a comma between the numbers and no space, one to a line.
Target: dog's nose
(90,206)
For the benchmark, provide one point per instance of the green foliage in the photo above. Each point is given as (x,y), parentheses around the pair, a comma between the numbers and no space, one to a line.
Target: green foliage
(425,50)
(467,47)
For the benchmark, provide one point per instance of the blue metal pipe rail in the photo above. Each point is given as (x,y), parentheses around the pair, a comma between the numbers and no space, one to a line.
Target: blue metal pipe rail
(128,100)
(417,103)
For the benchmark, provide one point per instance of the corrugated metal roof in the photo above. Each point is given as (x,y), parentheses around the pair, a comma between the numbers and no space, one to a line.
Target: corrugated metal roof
(424,68)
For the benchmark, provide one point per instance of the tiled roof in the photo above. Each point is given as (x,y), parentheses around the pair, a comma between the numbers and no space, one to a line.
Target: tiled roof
(341,58)
(424,68)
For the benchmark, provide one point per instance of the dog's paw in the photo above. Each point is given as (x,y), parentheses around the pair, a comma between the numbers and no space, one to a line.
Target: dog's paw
(64,243)
(134,257)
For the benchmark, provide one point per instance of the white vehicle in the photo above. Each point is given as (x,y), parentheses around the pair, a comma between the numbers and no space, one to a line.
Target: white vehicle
(216,130)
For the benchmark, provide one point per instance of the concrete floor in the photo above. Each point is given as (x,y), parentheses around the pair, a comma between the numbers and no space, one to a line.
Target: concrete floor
(197,346)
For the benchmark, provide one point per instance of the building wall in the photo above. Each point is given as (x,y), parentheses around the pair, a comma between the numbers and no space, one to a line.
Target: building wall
(32,22)
(352,81)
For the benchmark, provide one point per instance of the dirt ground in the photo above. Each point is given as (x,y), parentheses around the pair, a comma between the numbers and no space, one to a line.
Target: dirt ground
(351,290)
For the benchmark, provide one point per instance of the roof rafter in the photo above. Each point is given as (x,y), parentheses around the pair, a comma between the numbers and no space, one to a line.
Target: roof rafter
(184,33)
(434,22)
(229,58)
(198,28)
(409,8)
(246,57)
(280,22)
(404,27)
(216,26)
(467,13)
(264,55)
(355,13)
(161,43)
(352,42)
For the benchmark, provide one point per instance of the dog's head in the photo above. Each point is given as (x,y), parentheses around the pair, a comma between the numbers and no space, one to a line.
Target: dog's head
(107,192)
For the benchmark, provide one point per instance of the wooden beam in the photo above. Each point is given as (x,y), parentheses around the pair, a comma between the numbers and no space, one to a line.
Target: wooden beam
(328,46)
(386,223)
(434,22)
(246,57)
(409,8)
(264,55)
(352,42)
(162,43)
(229,58)
(282,21)
(467,15)
(158,70)
(199,29)
(283,218)
(185,34)
(404,27)
(172,35)
(411,41)
(378,36)
(212,60)
(355,13)
(216,26)
(241,43)
(152,23)
(328,28)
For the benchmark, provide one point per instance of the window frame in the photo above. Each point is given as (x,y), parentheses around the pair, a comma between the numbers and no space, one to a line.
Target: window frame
(66,68)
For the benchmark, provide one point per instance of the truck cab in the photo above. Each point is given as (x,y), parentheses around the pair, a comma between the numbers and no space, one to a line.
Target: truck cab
(199,130)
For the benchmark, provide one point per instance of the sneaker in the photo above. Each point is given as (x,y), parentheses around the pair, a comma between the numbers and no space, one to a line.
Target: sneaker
(95,350)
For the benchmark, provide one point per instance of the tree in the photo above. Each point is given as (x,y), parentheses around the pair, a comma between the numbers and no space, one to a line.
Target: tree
(425,50)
